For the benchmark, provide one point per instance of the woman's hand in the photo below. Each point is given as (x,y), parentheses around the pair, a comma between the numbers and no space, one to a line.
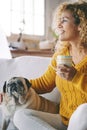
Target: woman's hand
(66,72)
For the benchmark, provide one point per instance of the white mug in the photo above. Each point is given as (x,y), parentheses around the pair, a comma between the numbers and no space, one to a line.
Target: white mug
(65,60)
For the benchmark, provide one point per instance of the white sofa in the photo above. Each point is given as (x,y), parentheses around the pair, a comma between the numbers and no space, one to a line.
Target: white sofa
(26,66)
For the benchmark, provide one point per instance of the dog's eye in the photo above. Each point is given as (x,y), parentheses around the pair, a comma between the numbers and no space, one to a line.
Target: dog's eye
(21,91)
(20,83)
(8,84)
(13,84)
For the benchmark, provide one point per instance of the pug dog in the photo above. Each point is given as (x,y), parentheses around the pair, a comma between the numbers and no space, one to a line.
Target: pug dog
(14,93)
(18,94)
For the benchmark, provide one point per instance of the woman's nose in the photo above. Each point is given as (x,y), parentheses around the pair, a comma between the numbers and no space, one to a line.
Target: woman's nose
(59,24)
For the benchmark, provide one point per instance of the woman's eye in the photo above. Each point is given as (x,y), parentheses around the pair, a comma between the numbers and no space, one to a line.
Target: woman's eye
(64,20)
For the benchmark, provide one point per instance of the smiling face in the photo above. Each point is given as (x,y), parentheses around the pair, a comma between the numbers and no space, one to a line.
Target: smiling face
(67,29)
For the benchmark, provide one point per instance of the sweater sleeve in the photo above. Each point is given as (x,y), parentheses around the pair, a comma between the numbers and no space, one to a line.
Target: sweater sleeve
(46,82)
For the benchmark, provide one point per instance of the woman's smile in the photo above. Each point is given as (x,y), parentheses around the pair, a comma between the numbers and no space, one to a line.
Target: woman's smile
(61,32)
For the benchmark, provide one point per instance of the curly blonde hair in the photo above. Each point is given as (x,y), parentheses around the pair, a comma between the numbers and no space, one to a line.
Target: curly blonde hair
(79,12)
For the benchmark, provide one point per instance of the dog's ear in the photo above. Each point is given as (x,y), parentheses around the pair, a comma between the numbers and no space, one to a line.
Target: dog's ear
(27,83)
(4,87)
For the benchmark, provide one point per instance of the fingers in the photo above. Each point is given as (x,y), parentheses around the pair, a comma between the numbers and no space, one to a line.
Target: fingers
(66,72)
(64,75)
(63,69)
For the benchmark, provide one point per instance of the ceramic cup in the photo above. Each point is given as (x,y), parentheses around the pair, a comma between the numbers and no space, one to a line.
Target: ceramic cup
(66,60)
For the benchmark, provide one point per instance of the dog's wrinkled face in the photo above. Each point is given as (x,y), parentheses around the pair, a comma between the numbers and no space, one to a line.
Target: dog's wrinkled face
(16,86)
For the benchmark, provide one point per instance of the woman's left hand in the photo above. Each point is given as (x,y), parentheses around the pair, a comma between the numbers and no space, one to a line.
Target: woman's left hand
(66,72)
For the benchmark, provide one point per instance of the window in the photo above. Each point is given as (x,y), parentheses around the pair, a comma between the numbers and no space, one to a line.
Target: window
(27,16)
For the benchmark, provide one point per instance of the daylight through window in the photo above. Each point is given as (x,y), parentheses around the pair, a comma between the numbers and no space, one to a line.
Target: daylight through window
(25,16)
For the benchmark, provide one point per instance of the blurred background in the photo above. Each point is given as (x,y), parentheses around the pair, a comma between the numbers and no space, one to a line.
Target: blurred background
(28,23)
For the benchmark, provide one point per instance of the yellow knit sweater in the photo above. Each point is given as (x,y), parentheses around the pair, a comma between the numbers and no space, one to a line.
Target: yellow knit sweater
(73,93)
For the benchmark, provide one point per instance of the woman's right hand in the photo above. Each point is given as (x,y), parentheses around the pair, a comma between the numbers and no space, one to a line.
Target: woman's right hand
(66,72)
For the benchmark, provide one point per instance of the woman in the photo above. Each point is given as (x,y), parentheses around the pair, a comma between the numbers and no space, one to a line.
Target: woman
(71,25)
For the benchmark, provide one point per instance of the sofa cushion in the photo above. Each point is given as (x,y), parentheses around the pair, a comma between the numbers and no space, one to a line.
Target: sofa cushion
(28,67)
